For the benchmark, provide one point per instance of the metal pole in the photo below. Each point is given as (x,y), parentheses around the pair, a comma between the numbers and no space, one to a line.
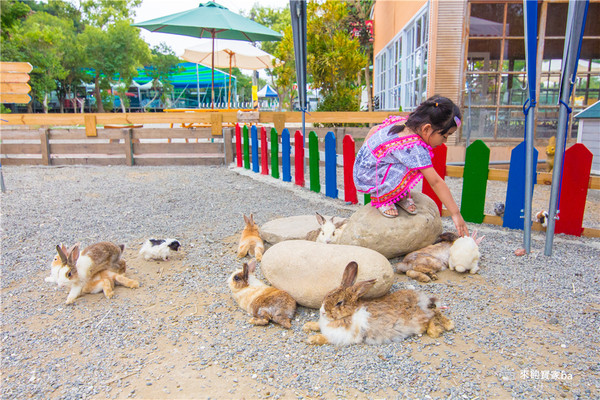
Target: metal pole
(198,85)
(212,65)
(575,26)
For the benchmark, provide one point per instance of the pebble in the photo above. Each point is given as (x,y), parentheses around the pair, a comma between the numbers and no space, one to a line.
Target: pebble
(498,313)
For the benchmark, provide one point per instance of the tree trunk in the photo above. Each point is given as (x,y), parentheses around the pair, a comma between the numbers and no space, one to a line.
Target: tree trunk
(97,95)
(369,91)
(45,103)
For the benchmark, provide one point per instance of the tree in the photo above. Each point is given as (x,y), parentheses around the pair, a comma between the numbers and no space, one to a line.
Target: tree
(40,40)
(361,27)
(102,13)
(116,50)
(334,57)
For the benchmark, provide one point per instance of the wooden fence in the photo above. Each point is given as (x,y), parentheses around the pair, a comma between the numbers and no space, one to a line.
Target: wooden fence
(476,173)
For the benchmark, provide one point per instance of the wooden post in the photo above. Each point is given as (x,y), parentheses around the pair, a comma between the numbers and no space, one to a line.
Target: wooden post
(128,135)
(228,145)
(349,156)
(45,145)
(279,121)
(90,125)
(330,166)
(216,124)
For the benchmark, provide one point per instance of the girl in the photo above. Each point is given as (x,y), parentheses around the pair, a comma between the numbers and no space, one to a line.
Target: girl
(397,154)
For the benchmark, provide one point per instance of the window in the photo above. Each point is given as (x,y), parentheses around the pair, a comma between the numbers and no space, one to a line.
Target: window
(496,68)
(401,81)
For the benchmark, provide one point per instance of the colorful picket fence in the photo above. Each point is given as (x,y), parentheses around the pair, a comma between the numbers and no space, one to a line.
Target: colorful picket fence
(475,174)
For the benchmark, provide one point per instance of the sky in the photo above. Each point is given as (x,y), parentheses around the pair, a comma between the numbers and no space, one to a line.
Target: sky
(151,9)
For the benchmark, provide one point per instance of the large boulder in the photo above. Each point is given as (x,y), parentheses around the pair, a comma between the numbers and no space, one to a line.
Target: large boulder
(309,270)
(290,228)
(394,237)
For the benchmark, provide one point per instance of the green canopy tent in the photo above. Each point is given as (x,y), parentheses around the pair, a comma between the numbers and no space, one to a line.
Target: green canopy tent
(210,20)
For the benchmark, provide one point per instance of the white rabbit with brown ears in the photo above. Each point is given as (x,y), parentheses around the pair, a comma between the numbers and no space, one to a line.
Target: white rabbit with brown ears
(264,303)
(328,231)
(76,271)
(346,319)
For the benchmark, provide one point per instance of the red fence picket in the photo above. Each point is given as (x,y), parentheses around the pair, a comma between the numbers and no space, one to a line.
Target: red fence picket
(299,158)
(574,188)
(349,149)
(264,152)
(439,164)
(238,145)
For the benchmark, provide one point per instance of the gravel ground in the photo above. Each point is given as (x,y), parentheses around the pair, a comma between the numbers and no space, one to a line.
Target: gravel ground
(526,327)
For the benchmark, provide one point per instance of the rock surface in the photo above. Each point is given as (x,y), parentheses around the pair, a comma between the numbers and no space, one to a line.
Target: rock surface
(309,270)
(394,237)
(290,228)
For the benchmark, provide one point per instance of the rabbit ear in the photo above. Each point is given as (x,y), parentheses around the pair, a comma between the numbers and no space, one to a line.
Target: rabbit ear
(252,266)
(251,219)
(320,218)
(350,273)
(245,271)
(246,220)
(61,254)
(478,240)
(361,288)
(74,254)
(339,224)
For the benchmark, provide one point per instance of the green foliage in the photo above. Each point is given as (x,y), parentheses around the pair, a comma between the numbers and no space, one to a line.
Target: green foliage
(4,110)
(163,62)
(103,13)
(334,56)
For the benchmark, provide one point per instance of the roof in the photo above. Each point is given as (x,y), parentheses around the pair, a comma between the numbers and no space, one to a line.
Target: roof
(592,111)
(187,77)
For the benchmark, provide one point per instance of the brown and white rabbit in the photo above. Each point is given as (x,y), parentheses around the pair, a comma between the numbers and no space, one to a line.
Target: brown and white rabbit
(264,303)
(328,231)
(458,253)
(347,319)
(105,281)
(250,242)
(77,270)
(55,265)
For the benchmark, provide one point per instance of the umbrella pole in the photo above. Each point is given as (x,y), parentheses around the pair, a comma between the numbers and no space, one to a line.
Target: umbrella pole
(198,85)
(212,85)
(229,97)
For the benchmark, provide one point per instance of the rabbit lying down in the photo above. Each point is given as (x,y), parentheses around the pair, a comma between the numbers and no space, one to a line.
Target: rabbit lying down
(460,254)
(264,303)
(346,319)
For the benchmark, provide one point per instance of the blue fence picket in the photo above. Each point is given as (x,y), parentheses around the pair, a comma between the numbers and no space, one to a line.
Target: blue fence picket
(254,136)
(330,166)
(515,189)
(286,147)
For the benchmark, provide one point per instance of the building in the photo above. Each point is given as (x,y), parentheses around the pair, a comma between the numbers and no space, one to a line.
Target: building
(473,51)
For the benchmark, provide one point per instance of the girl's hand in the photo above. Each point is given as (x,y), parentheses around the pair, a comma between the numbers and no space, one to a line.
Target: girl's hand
(460,224)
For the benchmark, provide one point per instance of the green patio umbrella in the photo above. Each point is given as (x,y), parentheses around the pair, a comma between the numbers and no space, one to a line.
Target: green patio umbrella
(211,20)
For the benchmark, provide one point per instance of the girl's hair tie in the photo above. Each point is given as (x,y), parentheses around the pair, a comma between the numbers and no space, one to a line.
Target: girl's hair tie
(436,104)
(457,120)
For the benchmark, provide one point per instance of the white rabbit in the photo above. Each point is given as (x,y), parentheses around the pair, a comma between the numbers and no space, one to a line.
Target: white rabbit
(464,254)
(263,302)
(328,231)
(346,319)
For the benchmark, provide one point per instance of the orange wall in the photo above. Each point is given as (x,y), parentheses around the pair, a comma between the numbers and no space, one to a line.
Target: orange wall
(389,17)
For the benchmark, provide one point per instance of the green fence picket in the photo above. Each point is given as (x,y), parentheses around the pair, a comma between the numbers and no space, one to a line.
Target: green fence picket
(477,160)
(313,160)
(246,144)
(274,154)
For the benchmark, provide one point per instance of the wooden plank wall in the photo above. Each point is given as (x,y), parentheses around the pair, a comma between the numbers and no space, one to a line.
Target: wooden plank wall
(146,146)
(446,47)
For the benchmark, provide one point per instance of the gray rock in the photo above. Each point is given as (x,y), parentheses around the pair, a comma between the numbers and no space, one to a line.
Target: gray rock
(309,270)
(394,237)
